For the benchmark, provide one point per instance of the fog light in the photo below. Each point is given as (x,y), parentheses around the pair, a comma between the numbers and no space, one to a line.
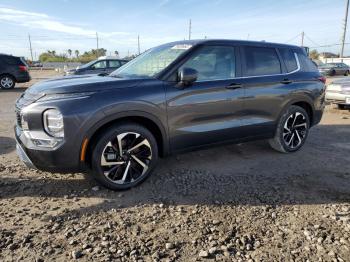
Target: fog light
(53,123)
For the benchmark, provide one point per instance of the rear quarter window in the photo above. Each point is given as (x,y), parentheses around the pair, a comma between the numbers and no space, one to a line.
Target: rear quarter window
(306,64)
(261,61)
(289,59)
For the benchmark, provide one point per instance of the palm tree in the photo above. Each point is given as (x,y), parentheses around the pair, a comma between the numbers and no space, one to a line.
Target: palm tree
(69,53)
(76,53)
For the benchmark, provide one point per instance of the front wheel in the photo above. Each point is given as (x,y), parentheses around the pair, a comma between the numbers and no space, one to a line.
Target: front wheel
(124,156)
(346,73)
(292,130)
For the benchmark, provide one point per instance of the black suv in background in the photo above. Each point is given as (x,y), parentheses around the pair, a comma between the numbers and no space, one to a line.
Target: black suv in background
(103,65)
(175,97)
(13,70)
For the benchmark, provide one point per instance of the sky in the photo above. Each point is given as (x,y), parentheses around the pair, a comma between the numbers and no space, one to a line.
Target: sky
(72,24)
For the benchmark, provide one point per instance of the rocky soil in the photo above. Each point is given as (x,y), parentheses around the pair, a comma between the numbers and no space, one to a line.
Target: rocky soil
(232,203)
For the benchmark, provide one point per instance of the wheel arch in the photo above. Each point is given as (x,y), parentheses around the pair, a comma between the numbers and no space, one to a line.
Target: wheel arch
(145,119)
(303,102)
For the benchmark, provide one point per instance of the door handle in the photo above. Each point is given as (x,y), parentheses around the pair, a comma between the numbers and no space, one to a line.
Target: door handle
(286,81)
(234,86)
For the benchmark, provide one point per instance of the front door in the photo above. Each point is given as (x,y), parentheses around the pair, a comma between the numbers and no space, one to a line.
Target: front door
(209,110)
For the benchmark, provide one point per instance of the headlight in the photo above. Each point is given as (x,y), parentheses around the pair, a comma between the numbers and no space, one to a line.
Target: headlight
(53,123)
(65,96)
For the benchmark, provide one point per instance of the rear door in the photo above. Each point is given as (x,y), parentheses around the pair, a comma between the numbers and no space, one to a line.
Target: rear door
(113,65)
(209,110)
(266,86)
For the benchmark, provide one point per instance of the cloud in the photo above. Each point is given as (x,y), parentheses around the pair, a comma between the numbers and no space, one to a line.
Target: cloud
(45,22)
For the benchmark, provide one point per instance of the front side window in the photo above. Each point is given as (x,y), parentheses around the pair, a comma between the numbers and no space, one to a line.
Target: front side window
(152,62)
(99,65)
(289,59)
(213,63)
(261,61)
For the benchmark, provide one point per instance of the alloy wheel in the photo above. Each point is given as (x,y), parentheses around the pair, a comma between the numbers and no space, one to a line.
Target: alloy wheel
(126,158)
(295,130)
(6,82)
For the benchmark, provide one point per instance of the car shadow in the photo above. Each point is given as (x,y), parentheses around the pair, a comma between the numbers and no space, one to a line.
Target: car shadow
(7,145)
(244,174)
(14,90)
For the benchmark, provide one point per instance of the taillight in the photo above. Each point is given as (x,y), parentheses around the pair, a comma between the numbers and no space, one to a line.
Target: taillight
(322,79)
(22,68)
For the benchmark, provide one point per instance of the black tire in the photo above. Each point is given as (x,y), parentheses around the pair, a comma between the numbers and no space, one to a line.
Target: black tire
(340,107)
(7,82)
(131,165)
(279,141)
(346,73)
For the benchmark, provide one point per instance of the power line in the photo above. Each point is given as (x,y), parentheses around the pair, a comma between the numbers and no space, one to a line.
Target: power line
(290,40)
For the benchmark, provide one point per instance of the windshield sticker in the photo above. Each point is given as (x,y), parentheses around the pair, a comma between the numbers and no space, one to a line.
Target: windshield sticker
(182,47)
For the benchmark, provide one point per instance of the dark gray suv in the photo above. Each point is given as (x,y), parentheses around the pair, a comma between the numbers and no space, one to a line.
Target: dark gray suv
(175,97)
(13,70)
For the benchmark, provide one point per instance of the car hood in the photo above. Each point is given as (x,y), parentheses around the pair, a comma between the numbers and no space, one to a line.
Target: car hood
(76,84)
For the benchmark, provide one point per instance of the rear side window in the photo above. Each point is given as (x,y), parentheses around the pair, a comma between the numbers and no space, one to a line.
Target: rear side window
(114,63)
(289,59)
(11,60)
(261,61)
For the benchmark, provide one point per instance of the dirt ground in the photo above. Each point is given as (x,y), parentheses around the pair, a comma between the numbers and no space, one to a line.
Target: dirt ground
(241,202)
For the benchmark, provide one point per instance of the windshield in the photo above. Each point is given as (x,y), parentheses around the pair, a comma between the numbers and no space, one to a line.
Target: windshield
(152,61)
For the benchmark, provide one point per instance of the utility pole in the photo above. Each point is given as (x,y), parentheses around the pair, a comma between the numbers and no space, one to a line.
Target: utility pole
(138,44)
(302,38)
(97,44)
(190,30)
(30,46)
(344,32)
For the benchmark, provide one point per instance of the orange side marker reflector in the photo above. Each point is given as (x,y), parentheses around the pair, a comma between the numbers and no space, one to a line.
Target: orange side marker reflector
(83,150)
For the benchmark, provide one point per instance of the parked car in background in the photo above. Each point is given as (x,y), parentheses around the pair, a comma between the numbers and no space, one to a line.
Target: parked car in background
(103,65)
(333,69)
(13,70)
(338,93)
(175,97)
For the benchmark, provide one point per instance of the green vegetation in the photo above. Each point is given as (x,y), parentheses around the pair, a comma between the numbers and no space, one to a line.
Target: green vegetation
(51,56)
(314,54)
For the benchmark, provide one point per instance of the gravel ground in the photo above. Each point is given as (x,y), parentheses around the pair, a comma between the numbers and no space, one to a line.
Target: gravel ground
(241,202)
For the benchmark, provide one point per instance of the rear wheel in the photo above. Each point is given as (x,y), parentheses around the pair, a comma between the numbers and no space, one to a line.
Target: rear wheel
(292,130)
(124,156)
(346,73)
(7,82)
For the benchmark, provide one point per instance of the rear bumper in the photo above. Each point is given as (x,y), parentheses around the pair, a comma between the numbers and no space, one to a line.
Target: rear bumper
(23,77)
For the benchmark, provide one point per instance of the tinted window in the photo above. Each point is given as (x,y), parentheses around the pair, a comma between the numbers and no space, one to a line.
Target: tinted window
(213,63)
(261,61)
(11,60)
(114,63)
(289,59)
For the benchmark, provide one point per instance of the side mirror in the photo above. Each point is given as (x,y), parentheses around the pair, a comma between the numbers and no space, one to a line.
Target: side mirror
(187,76)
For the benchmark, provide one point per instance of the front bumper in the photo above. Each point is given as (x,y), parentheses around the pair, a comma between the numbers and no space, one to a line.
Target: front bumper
(24,157)
(337,98)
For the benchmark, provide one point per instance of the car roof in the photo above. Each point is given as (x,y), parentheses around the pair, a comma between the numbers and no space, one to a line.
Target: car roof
(229,41)
(109,58)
